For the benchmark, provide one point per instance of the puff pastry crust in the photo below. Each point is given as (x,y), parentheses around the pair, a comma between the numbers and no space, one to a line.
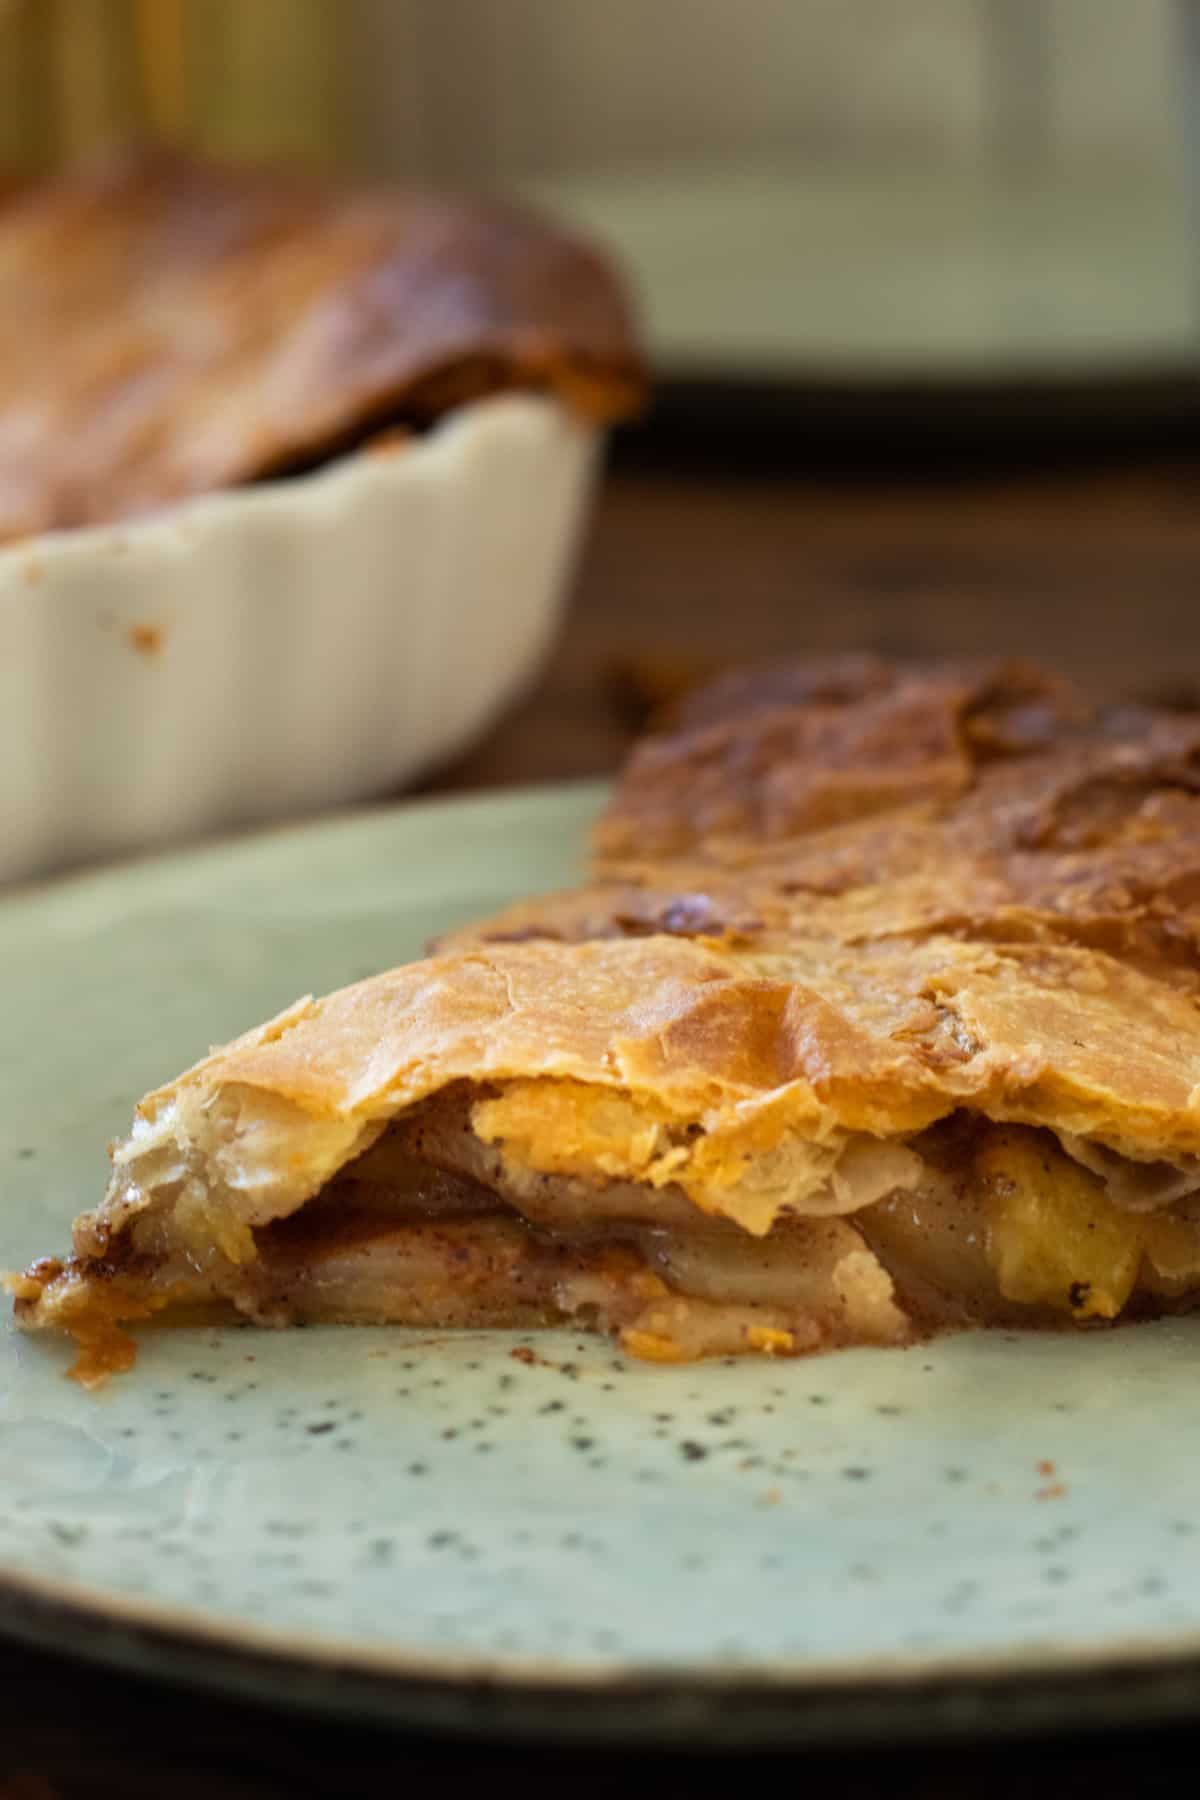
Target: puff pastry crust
(878,1014)
(169,327)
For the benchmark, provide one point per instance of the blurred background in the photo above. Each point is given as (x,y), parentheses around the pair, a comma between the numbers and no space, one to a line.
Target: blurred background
(842,188)
(921,285)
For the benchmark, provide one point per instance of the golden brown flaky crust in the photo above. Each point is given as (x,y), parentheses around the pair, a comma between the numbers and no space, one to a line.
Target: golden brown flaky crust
(837,897)
(911,890)
(169,327)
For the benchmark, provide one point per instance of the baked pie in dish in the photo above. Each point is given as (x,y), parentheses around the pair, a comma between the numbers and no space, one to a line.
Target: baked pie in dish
(291,480)
(878,1015)
(170,327)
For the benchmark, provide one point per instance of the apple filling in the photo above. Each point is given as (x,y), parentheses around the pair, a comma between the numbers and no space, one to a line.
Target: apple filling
(969,1222)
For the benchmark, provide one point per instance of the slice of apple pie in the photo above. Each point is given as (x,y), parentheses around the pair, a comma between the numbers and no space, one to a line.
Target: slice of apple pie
(879,1014)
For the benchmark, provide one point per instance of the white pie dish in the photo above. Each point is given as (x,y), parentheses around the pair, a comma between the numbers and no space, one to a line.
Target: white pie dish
(268,651)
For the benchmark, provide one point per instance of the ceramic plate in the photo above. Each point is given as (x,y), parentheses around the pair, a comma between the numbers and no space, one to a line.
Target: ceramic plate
(533,1534)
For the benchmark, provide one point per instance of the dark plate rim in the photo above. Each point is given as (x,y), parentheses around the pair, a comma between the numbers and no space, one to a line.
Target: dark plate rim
(1118,1684)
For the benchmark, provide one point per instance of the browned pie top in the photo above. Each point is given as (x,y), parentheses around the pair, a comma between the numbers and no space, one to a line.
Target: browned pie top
(836,897)
(848,801)
(169,327)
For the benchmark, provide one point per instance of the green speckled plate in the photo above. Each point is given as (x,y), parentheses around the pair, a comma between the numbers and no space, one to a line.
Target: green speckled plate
(516,1534)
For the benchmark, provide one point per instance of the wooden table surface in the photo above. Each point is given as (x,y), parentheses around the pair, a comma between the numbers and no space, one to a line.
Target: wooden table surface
(1097,570)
